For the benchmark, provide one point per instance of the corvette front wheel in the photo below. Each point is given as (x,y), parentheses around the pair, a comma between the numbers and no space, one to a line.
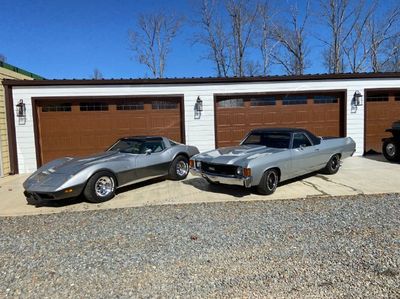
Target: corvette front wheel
(100,187)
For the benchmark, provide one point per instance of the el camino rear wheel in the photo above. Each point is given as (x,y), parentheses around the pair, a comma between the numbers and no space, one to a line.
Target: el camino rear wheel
(269,182)
(333,165)
(391,150)
(179,168)
(100,187)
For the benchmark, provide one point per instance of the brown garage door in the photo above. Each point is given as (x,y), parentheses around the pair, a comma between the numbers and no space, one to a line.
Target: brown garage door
(82,127)
(321,113)
(382,109)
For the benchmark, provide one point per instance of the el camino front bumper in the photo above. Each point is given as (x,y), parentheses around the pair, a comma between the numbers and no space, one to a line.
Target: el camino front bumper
(223,179)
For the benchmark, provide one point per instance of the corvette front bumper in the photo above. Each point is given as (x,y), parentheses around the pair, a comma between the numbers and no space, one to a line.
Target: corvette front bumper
(223,179)
(37,195)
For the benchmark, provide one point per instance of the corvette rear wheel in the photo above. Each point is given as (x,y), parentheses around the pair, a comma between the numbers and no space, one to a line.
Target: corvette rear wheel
(179,168)
(100,187)
(269,182)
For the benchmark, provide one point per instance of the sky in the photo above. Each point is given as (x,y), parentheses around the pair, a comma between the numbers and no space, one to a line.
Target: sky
(60,39)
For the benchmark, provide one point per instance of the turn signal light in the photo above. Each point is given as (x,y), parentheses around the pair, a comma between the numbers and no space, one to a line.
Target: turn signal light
(68,190)
(191,163)
(246,171)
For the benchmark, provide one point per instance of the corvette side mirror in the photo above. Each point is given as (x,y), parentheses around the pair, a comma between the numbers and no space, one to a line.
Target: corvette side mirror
(148,151)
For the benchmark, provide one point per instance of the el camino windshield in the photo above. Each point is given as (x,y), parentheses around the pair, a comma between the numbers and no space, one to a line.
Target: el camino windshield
(138,146)
(268,139)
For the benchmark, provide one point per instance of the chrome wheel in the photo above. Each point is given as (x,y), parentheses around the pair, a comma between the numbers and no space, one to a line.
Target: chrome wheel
(390,149)
(182,168)
(272,180)
(104,186)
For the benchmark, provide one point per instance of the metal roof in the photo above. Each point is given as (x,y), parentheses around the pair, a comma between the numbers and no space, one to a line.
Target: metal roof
(201,80)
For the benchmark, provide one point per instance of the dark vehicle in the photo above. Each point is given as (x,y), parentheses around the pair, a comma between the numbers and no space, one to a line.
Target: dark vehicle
(391,145)
(129,160)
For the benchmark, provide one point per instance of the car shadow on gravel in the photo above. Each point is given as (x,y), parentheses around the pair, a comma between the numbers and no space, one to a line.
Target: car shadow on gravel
(236,191)
(76,200)
(203,185)
(55,203)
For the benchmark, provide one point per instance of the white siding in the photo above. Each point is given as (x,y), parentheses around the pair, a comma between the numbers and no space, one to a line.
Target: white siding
(199,132)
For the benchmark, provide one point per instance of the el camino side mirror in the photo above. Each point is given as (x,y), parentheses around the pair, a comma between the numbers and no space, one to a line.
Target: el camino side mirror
(148,151)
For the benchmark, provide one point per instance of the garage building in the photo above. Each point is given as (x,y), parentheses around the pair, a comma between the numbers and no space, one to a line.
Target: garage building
(8,71)
(80,117)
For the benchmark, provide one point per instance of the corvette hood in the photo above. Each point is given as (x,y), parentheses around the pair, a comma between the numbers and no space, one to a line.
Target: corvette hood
(237,154)
(72,165)
(57,172)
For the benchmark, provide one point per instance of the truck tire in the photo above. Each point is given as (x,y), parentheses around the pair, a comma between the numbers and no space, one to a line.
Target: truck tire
(391,150)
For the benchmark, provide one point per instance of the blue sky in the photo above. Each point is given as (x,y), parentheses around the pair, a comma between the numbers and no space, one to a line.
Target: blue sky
(69,39)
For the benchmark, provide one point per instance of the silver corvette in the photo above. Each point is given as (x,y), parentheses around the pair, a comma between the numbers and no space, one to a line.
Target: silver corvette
(130,160)
(268,156)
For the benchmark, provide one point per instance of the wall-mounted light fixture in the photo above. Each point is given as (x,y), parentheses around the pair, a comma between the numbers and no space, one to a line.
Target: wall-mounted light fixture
(21,109)
(357,99)
(198,106)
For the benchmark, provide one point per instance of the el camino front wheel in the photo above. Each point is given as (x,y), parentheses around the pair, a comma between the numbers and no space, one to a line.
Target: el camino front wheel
(100,187)
(269,182)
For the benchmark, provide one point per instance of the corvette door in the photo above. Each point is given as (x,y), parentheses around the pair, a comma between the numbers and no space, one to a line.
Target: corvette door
(153,160)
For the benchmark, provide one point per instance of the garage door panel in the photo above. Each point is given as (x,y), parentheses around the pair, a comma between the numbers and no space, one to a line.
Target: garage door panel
(381,110)
(322,119)
(80,133)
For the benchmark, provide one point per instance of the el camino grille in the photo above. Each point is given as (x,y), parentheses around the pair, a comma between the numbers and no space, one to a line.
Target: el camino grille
(219,168)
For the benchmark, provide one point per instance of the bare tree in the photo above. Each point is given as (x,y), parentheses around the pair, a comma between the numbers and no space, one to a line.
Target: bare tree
(266,43)
(228,30)
(392,52)
(357,48)
(97,75)
(214,37)
(243,18)
(291,38)
(340,17)
(2,58)
(152,39)
(383,34)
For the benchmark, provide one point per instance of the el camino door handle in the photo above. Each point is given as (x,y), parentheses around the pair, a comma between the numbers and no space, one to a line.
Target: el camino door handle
(317,149)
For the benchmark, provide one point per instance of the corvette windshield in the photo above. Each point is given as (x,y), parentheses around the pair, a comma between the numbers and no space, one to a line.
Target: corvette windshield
(138,146)
(268,139)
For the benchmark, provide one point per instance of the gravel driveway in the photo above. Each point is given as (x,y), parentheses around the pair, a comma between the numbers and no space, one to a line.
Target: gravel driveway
(324,247)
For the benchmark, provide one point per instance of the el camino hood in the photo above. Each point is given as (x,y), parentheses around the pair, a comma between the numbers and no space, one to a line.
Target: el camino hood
(233,155)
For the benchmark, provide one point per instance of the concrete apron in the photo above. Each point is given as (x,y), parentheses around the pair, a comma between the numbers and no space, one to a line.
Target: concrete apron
(356,176)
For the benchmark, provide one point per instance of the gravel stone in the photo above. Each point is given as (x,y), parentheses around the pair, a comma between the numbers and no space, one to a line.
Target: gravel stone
(317,247)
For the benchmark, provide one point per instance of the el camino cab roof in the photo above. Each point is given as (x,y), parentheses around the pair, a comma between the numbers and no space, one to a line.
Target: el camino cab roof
(314,138)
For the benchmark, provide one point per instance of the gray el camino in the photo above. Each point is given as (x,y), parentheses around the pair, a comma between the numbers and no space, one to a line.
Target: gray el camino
(129,160)
(268,156)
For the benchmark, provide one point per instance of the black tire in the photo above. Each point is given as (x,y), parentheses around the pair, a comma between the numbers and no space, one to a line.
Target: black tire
(391,150)
(269,182)
(333,165)
(179,168)
(100,187)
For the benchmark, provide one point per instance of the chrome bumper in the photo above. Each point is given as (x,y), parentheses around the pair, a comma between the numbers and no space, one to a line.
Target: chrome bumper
(223,179)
